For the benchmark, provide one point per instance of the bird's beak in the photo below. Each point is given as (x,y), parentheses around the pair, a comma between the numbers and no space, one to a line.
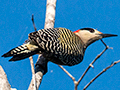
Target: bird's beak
(107,35)
(99,36)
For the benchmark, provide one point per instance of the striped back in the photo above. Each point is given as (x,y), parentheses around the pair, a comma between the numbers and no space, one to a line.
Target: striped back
(59,45)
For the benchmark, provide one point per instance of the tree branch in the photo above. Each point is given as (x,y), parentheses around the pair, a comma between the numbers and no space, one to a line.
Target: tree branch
(91,64)
(33,85)
(37,78)
(50,14)
(49,23)
(67,72)
(4,84)
(33,73)
(73,78)
(76,83)
(33,23)
(104,70)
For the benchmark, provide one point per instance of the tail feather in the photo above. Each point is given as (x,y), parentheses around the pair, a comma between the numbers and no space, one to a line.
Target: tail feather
(22,56)
(16,51)
(21,52)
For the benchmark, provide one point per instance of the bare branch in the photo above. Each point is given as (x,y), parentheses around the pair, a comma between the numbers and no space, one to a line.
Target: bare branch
(104,70)
(73,78)
(4,84)
(33,23)
(50,14)
(33,73)
(76,83)
(38,77)
(49,23)
(38,80)
(67,72)
(91,64)
(33,85)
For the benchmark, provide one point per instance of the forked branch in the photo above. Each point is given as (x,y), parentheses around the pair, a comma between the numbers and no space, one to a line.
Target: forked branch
(104,70)
(91,64)
(76,83)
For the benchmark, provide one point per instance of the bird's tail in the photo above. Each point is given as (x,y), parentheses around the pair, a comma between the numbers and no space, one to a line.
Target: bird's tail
(22,52)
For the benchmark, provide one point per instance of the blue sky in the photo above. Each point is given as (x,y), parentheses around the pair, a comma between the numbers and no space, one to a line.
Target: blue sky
(15,25)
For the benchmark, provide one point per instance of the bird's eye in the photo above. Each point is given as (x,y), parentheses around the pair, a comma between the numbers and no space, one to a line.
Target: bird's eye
(89,29)
(92,30)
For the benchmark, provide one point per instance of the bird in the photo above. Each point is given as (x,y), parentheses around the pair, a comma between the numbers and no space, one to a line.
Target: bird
(58,45)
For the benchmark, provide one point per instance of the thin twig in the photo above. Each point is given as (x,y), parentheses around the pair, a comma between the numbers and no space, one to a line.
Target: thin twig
(33,22)
(104,70)
(76,85)
(67,72)
(75,82)
(91,64)
(31,62)
(33,72)
(49,23)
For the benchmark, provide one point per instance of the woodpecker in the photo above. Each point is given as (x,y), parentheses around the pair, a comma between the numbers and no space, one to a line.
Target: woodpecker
(58,45)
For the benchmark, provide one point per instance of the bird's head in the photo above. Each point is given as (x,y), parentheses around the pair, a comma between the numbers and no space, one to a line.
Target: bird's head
(90,35)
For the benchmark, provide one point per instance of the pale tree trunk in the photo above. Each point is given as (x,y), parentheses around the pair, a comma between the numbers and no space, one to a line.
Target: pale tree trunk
(4,84)
(49,23)
(50,14)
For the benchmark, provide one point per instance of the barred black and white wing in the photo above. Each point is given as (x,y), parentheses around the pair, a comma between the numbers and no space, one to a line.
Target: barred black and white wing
(59,45)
